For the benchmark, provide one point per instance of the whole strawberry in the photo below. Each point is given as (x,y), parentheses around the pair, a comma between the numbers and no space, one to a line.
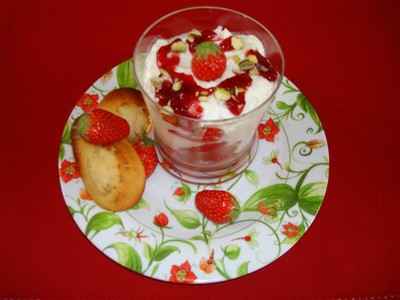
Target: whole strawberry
(208,62)
(101,127)
(147,153)
(218,206)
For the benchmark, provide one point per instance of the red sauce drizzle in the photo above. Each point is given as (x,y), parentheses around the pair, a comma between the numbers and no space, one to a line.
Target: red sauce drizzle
(166,59)
(226,44)
(185,101)
(237,101)
(264,67)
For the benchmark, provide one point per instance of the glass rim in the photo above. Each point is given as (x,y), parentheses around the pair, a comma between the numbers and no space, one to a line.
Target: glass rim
(225,120)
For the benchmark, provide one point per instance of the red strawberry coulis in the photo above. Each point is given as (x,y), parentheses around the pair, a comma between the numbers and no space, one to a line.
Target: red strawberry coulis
(237,101)
(185,101)
(264,67)
(226,44)
(166,59)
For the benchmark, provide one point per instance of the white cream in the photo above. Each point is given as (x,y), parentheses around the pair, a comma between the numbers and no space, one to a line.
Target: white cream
(214,109)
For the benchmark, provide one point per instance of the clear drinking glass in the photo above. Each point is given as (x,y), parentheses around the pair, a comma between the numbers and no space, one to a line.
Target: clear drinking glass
(179,138)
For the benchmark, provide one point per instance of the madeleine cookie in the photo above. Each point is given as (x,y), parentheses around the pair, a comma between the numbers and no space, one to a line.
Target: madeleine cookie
(113,175)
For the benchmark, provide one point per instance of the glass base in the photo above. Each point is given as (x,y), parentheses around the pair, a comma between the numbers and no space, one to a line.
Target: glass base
(209,177)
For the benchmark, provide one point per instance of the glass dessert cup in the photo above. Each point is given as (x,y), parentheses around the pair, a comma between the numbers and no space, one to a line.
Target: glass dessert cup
(205,151)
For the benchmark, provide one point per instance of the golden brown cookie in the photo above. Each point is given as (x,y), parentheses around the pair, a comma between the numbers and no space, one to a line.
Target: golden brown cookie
(114,175)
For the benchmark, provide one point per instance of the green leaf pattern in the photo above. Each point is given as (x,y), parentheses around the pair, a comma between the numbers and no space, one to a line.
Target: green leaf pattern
(282,195)
(308,108)
(232,251)
(147,251)
(127,256)
(187,218)
(102,221)
(243,269)
(251,176)
(164,252)
(311,196)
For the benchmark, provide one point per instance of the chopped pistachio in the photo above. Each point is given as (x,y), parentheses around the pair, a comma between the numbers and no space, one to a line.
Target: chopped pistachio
(246,64)
(177,85)
(236,59)
(222,94)
(254,72)
(237,43)
(239,90)
(204,93)
(190,38)
(156,82)
(164,74)
(252,58)
(179,46)
(168,108)
(195,32)
(203,98)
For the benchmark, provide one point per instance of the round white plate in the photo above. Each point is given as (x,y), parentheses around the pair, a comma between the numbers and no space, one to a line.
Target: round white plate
(280,194)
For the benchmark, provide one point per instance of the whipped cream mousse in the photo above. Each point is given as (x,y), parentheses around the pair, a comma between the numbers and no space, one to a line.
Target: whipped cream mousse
(209,75)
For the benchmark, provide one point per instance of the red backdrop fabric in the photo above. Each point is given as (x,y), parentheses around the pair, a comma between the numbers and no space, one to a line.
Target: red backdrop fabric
(344,55)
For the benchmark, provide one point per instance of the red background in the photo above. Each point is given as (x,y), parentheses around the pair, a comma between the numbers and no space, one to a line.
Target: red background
(342,54)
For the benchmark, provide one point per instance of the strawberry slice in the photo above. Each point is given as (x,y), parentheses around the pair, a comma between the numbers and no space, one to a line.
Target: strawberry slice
(147,153)
(101,127)
(226,44)
(212,134)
